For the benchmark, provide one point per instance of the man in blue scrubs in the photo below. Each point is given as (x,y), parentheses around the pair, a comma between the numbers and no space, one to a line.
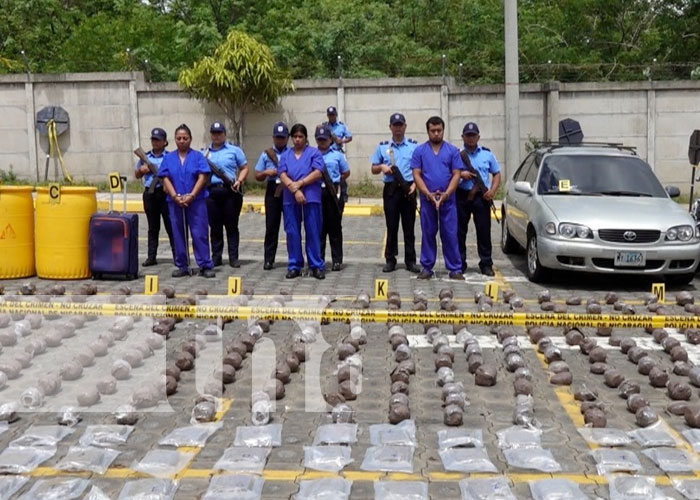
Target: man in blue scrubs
(266,170)
(471,201)
(436,170)
(338,169)
(224,203)
(300,171)
(397,205)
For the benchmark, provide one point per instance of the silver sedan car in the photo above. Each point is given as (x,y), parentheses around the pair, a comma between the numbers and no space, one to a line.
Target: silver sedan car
(598,209)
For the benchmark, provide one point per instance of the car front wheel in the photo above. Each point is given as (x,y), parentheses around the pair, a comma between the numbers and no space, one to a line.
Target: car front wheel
(535,272)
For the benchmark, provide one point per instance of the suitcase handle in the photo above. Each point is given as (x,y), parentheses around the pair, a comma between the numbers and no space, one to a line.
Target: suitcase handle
(111,195)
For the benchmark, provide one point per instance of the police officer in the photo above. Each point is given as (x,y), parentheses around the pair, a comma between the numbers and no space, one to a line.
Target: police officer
(266,170)
(436,170)
(471,201)
(398,205)
(225,202)
(154,203)
(184,174)
(340,134)
(337,169)
(300,171)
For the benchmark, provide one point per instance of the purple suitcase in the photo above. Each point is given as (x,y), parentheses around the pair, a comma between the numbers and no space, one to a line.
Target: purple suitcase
(114,243)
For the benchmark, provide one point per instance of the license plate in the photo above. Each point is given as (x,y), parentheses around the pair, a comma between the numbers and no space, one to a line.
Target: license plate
(630,259)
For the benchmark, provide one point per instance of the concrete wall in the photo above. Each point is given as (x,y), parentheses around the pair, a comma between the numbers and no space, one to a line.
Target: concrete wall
(112,113)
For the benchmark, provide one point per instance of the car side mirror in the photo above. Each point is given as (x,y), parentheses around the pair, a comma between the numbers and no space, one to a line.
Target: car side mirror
(523,187)
(673,191)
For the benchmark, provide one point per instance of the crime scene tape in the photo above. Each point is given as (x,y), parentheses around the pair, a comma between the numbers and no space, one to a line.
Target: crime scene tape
(212,312)
(55,150)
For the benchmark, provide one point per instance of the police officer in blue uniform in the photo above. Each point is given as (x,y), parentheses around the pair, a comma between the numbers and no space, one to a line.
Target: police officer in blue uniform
(472,202)
(184,174)
(436,170)
(338,169)
(225,202)
(266,170)
(340,133)
(300,172)
(398,205)
(154,203)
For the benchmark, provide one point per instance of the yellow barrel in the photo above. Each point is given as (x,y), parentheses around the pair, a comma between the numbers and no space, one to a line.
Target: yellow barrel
(63,231)
(16,232)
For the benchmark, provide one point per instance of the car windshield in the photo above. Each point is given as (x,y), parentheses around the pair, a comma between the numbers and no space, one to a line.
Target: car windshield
(598,175)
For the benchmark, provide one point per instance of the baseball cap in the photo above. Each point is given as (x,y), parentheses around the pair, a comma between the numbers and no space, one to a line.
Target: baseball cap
(280,129)
(217,127)
(159,133)
(397,118)
(331,110)
(470,128)
(322,132)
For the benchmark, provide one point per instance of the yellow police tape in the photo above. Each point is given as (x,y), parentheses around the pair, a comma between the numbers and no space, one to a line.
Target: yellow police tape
(346,315)
(55,150)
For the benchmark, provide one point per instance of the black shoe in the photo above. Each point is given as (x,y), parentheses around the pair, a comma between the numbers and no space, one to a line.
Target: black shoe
(293,273)
(337,266)
(487,271)
(234,263)
(318,274)
(456,275)
(207,273)
(425,275)
(180,273)
(217,262)
(412,268)
(389,267)
(268,265)
(149,262)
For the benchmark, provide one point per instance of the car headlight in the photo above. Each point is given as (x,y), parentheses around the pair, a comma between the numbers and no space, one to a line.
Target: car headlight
(680,233)
(571,231)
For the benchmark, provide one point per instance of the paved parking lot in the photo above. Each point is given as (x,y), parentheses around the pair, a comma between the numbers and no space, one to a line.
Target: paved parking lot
(489,410)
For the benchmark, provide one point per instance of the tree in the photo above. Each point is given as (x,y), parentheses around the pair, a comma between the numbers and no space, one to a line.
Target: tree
(242,75)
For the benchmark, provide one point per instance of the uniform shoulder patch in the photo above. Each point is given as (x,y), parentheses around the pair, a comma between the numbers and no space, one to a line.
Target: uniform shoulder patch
(485,148)
(384,143)
(413,141)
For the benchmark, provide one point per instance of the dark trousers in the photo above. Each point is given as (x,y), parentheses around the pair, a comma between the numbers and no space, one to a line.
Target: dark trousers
(332,226)
(156,206)
(273,217)
(224,209)
(482,222)
(398,207)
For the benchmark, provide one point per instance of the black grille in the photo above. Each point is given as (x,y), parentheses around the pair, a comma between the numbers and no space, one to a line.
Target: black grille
(617,235)
(610,264)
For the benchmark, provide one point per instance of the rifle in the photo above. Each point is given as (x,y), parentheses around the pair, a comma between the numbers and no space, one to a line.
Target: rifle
(402,183)
(221,174)
(479,184)
(330,188)
(154,170)
(273,158)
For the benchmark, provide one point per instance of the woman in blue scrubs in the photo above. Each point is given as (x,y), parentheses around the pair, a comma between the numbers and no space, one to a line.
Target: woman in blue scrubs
(300,170)
(185,173)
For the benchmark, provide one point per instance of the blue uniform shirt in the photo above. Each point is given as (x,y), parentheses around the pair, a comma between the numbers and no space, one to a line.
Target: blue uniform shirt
(265,163)
(484,161)
(184,176)
(309,160)
(336,164)
(228,158)
(339,129)
(147,179)
(437,169)
(403,152)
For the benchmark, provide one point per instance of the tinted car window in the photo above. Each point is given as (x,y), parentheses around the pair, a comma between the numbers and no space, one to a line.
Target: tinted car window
(599,175)
(531,175)
(522,172)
